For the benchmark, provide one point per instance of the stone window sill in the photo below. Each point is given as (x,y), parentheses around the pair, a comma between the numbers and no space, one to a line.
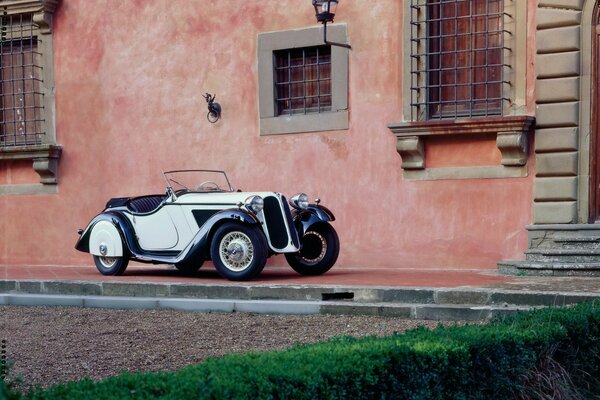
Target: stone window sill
(45,159)
(511,139)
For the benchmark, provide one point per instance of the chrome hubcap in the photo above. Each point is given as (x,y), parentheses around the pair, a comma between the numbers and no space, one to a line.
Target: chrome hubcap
(108,262)
(236,251)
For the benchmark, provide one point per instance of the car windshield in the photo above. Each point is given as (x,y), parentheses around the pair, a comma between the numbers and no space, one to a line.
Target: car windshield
(197,180)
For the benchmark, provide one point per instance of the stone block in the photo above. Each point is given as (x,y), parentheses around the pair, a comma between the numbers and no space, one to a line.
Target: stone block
(29,287)
(198,305)
(73,288)
(284,292)
(7,286)
(452,313)
(557,17)
(557,90)
(558,40)
(135,289)
(453,296)
(558,65)
(44,300)
(556,139)
(124,302)
(533,299)
(568,4)
(557,114)
(555,212)
(556,164)
(419,296)
(380,310)
(210,291)
(555,189)
(278,307)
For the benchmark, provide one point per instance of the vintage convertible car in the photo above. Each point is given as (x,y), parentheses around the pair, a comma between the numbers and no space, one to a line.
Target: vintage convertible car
(202,218)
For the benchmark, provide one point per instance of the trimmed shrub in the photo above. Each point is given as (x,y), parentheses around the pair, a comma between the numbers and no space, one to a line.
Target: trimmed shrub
(505,359)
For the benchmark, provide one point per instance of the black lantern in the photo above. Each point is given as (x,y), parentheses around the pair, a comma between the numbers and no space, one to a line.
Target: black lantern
(325,12)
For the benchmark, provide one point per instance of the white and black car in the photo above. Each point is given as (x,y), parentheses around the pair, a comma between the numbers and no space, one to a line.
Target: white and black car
(202,218)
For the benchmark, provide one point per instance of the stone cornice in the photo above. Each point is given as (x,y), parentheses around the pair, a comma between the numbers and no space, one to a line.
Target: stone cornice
(511,137)
(42,11)
(467,126)
(45,159)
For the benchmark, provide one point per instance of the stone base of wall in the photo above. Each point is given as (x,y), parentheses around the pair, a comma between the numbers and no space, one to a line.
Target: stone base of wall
(559,250)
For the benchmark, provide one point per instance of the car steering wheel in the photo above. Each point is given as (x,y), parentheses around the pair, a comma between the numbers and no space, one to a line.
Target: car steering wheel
(208,185)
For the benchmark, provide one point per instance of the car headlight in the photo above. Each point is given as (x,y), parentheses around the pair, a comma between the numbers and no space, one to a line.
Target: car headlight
(254,204)
(299,201)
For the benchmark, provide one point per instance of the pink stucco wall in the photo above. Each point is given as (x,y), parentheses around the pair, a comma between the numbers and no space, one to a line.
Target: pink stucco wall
(129,77)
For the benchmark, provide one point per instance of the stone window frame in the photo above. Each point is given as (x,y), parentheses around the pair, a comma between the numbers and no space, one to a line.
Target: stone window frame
(511,130)
(337,118)
(44,156)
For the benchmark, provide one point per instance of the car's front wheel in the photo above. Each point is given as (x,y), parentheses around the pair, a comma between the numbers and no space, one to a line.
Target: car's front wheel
(320,250)
(239,252)
(111,265)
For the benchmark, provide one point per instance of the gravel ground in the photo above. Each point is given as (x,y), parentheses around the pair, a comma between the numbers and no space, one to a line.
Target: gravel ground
(52,344)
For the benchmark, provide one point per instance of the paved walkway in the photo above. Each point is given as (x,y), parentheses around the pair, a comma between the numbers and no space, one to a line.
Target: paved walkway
(270,275)
(408,293)
(380,277)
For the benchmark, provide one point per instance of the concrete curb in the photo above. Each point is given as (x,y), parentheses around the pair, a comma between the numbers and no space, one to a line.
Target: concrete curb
(355,294)
(409,311)
(400,302)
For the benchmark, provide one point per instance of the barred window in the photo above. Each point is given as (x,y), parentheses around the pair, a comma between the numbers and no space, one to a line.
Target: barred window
(457,58)
(21,86)
(303,80)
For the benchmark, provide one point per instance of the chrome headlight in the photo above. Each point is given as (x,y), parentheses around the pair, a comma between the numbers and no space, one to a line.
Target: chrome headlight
(299,201)
(254,204)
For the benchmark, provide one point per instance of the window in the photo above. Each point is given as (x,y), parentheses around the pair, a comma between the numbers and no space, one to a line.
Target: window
(465,80)
(27,93)
(457,58)
(303,80)
(21,96)
(302,84)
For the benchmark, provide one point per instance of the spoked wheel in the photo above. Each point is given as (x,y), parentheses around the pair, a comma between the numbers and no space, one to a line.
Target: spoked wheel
(111,265)
(189,267)
(239,252)
(320,250)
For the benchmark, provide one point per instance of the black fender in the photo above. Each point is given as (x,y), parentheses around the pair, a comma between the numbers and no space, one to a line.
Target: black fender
(200,245)
(119,221)
(313,214)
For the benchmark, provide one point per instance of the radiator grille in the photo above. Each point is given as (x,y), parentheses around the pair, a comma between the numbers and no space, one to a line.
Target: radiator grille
(275,223)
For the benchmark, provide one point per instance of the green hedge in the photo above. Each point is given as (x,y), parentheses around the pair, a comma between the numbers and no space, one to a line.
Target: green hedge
(518,357)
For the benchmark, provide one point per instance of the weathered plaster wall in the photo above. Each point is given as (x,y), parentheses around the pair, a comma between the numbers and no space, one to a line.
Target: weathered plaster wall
(129,77)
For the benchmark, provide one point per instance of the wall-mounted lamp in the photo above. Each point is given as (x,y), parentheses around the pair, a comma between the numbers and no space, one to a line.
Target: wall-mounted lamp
(325,12)
(214,109)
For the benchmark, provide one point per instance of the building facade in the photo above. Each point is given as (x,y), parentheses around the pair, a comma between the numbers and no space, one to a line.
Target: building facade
(453,134)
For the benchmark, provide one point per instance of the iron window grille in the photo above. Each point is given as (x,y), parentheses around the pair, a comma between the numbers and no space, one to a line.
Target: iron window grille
(21,86)
(458,59)
(303,80)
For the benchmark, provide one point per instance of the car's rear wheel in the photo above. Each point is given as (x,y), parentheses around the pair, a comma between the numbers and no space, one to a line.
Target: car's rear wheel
(320,250)
(189,267)
(239,252)
(111,265)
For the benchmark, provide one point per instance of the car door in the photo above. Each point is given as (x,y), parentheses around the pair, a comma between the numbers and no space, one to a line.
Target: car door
(156,231)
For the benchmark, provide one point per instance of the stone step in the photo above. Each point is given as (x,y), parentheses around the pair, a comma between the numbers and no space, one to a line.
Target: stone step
(579,255)
(576,239)
(548,268)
